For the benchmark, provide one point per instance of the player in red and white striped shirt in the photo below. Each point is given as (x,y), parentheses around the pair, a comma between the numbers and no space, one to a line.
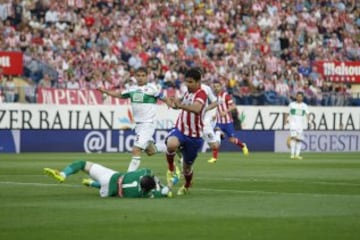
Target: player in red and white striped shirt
(187,134)
(224,119)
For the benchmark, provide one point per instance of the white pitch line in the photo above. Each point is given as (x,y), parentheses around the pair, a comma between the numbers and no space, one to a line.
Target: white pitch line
(39,184)
(284,180)
(195,189)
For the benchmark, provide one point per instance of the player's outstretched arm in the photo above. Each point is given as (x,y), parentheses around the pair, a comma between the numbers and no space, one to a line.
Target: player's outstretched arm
(110,93)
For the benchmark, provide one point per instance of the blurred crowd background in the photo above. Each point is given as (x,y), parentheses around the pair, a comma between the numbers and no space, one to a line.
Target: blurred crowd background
(263,51)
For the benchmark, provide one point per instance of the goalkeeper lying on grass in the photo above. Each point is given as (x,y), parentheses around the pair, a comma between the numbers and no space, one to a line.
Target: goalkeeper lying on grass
(138,184)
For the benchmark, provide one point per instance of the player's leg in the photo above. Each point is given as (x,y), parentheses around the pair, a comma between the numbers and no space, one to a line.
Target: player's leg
(173,142)
(144,133)
(100,177)
(292,143)
(210,137)
(299,138)
(230,132)
(72,168)
(190,151)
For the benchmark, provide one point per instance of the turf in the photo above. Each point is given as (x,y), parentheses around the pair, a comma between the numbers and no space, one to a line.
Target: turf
(264,196)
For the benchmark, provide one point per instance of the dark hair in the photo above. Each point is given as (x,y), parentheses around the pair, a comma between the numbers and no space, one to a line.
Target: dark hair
(301,93)
(142,69)
(194,73)
(147,183)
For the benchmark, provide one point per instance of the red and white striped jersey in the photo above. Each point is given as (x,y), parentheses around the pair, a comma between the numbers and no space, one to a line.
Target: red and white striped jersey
(189,123)
(224,102)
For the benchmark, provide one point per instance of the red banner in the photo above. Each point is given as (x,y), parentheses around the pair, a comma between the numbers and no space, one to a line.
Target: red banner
(335,71)
(11,62)
(82,97)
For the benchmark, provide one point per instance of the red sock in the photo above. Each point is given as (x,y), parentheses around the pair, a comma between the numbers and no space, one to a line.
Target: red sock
(239,143)
(215,153)
(170,160)
(188,179)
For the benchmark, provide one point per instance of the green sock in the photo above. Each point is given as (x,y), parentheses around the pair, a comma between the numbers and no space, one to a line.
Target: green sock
(95,184)
(74,167)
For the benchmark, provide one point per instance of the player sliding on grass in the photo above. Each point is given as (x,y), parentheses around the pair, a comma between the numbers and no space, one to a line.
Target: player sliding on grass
(136,184)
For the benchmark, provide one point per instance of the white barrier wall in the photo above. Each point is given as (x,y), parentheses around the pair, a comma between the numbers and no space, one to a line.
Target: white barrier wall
(42,116)
(322,141)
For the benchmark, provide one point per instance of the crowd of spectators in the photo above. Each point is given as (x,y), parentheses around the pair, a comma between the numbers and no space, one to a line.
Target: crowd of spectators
(261,50)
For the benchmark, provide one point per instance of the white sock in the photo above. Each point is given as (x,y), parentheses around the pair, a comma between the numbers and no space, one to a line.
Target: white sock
(298,148)
(134,164)
(161,147)
(292,147)
(218,136)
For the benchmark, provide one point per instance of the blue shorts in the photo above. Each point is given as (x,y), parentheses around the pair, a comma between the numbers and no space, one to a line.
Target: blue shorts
(227,128)
(189,146)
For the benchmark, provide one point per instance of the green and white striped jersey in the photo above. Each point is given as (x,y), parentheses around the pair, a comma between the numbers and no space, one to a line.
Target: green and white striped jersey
(297,115)
(143,101)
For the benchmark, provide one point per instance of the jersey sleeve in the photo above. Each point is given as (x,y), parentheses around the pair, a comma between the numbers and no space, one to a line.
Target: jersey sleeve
(210,94)
(156,194)
(228,99)
(125,93)
(201,97)
(306,109)
(155,91)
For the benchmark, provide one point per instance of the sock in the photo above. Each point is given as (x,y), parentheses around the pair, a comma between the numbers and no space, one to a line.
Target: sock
(95,184)
(215,153)
(239,143)
(292,147)
(298,148)
(218,136)
(134,163)
(73,168)
(170,160)
(188,179)
(160,147)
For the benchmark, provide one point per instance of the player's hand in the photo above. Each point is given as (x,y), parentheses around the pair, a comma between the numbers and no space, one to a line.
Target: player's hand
(223,114)
(177,103)
(101,89)
(170,102)
(166,191)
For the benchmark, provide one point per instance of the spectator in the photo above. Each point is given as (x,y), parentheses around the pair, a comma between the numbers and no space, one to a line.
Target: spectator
(10,89)
(216,36)
(45,82)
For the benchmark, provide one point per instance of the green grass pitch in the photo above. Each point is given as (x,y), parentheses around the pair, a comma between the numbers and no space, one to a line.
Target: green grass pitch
(263,196)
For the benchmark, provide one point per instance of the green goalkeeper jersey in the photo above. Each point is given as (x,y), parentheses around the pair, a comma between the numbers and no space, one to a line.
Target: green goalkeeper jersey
(127,185)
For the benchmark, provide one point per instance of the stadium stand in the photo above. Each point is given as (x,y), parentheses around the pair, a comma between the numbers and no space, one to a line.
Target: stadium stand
(263,51)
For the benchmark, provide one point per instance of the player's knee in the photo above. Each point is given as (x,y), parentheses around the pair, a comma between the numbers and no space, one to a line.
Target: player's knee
(214,146)
(136,151)
(87,165)
(172,144)
(150,152)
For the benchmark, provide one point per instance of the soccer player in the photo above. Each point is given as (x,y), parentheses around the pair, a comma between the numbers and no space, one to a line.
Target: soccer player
(137,184)
(224,120)
(143,97)
(187,134)
(211,134)
(298,111)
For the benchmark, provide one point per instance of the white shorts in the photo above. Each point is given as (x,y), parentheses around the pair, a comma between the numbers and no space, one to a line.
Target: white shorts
(208,131)
(144,134)
(297,133)
(102,175)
